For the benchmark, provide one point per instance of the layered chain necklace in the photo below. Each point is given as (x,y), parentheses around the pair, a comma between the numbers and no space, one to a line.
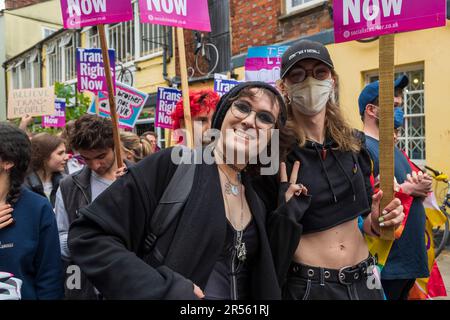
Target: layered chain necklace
(236,190)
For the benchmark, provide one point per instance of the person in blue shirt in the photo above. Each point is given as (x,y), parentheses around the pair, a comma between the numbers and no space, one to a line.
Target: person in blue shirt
(29,244)
(407,259)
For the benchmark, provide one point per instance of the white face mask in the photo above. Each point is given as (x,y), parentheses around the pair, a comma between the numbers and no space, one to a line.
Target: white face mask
(310,96)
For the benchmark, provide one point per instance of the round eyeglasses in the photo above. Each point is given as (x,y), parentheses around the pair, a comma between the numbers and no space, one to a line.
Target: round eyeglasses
(263,119)
(298,74)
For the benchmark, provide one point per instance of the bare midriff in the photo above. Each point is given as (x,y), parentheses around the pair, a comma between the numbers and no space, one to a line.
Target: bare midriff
(335,248)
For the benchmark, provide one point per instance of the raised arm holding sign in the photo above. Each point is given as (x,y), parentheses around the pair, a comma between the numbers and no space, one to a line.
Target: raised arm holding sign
(182,15)
(359,19)
(82,13)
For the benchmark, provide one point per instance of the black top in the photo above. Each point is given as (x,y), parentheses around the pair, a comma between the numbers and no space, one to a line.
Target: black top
(107,240)
(339,190)
(338,183)
(231,277)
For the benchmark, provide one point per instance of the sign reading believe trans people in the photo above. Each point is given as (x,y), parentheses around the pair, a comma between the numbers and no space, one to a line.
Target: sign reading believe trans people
(82,13)
(90,71)
(359,19)
(264,63)
(187,14)
(129,105)
(166,101)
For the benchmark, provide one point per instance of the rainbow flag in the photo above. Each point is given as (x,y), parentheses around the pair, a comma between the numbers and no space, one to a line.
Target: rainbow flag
(433,286)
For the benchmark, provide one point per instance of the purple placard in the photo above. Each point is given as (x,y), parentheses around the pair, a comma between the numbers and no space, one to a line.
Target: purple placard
(359,19)
(58,119)
(187,14)
(82,13)
(222,86)
(166,101)
(90,71)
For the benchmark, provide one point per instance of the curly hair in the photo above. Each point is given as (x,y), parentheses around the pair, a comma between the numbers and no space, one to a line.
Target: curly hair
(200,101)
(91,133)
(15,147)
(42,147)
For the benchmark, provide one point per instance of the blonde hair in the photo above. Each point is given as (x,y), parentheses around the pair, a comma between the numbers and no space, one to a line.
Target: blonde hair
(336,126)
(138,147)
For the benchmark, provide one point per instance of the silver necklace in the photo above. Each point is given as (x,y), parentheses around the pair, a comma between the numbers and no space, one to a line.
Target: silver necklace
(239,246)
(241,250)
(231,188)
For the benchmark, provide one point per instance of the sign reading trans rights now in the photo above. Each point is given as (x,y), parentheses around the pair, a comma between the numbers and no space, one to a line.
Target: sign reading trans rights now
(91,74)
(359,19)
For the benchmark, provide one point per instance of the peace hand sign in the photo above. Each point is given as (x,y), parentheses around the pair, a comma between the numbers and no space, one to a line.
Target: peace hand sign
(294,188)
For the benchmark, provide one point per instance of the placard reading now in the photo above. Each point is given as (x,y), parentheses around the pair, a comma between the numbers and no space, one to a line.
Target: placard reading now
(82,13)
(359,19)
(187,14)
(33,102)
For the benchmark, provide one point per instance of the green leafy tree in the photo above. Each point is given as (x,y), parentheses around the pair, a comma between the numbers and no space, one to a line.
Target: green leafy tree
(76,105)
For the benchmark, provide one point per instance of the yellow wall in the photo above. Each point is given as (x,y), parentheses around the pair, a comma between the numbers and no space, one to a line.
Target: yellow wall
(430,48)
(23,33)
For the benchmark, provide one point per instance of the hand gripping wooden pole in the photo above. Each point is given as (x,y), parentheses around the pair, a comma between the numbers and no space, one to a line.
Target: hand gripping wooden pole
(111,96)
(386,150)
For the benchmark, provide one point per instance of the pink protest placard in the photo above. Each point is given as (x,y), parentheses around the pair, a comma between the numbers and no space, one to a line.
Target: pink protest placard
(58,119)
(359,19)
(82,13)
(187,14)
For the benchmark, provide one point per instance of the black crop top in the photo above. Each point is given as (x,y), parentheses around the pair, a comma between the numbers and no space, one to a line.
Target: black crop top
(338,184)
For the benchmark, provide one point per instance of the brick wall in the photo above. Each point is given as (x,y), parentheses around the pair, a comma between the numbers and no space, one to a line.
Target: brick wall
(16,4)
(258,23)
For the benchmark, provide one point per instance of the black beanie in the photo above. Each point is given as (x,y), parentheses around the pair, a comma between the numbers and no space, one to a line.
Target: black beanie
(224,104)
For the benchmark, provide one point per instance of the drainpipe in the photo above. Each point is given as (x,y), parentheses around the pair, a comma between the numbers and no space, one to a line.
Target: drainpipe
(167,53)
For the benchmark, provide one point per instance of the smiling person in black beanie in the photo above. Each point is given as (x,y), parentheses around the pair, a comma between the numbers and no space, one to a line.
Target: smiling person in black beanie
(216,247)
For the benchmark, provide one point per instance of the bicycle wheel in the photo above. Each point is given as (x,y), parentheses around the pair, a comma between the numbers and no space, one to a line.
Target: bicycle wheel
(126,77)
(440,237)
(207,59)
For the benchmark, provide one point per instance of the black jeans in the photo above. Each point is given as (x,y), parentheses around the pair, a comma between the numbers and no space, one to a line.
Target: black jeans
(397,289)
(313,283)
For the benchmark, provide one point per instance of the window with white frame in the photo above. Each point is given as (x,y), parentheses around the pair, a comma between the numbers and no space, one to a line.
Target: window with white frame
(295,5)
(131,40)
(46,32)
(26,71)
(411,137)
(61,59)
(54,59)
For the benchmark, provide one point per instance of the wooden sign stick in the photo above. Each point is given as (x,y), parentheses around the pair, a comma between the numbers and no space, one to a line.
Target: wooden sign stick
(185,88)
(386,149)
(111,96)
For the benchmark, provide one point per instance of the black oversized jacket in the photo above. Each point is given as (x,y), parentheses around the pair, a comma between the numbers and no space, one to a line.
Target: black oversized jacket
(106,241)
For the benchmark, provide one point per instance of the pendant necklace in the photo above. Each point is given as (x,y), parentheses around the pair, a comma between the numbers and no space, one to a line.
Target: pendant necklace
(241,250)
(231,188)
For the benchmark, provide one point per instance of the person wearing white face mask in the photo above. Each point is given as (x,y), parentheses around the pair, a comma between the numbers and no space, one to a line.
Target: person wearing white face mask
(328,258)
